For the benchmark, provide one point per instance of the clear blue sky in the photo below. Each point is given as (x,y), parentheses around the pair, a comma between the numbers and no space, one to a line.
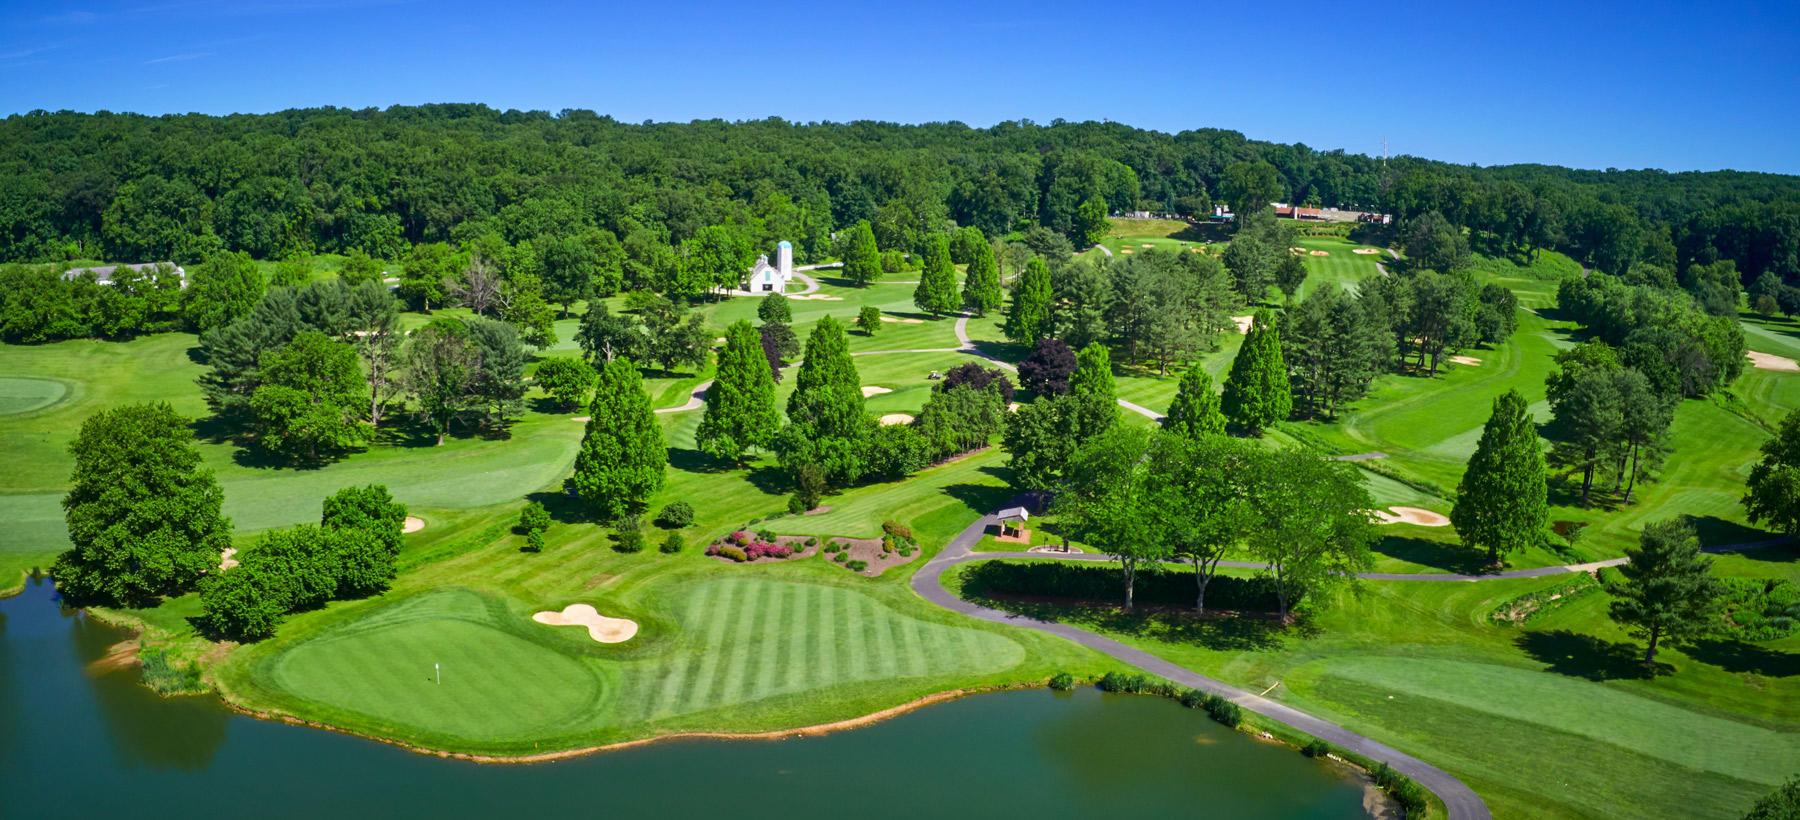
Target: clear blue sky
(1642,84)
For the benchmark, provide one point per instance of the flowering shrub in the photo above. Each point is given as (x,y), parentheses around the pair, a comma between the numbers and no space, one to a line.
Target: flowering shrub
(764,549)
(741,537)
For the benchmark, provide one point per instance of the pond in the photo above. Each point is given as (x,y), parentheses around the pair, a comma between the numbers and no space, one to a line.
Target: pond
(80,739)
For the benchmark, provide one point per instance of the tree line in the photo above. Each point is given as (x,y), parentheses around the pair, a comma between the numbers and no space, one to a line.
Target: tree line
(333,180)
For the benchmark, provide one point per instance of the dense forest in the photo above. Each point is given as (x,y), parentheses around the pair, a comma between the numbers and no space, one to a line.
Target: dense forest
(136,188)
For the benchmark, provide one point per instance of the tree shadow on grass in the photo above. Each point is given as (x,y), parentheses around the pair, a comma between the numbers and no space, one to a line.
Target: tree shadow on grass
(1741,657)
(694,461)
(563,508)
(1216,630)
(1585,656)
(769,478)
(982,498)
(1435,554)
(1716,532)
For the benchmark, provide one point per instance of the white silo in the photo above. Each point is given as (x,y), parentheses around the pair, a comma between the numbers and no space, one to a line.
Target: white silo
(784,259)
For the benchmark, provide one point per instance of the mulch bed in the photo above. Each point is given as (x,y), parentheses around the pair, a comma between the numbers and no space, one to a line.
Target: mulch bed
(797,543)
(868,550)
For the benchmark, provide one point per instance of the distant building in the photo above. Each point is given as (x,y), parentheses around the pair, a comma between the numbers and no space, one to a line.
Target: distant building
(1285,211)
(767,278)
(103,275)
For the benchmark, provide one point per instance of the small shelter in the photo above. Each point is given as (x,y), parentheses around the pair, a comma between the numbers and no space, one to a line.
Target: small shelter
(105,274)
(1010,520)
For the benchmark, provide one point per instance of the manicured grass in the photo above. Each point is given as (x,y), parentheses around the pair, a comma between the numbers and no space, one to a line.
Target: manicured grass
(1343,267)
(1551,719)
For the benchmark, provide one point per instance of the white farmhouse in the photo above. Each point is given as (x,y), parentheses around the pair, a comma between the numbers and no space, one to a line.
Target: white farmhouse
(767,278)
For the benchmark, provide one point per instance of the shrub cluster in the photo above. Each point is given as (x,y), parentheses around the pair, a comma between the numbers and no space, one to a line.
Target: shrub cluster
(1155,587)
(1760,609)
(351,553)
(1410,795)
(165,674)
(1216,707)
(1316,748)
(857,565)
(747,549)
(1062,682)
(675,515)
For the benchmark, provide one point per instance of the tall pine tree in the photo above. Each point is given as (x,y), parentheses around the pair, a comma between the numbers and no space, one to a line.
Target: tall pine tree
(1669,592)
(936,293)
(981,283)
(862,259)
(740,405)
(1195,412)
(1257,392)
(1028,318)
(622,454)
(1500,503)
(827,427)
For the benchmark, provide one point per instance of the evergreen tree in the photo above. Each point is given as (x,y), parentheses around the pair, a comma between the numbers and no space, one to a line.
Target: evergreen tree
(1028,318)
(143,514)
(826,422)
(740,405)
(622,454)
(1290,274)
(862,259)
(981,282)
(1195,411)
(1257,392)
(936,293)
(1669,592)
(1091,389)
(1500,503)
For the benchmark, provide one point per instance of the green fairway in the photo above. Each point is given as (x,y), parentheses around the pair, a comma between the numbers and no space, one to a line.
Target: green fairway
(1552,719)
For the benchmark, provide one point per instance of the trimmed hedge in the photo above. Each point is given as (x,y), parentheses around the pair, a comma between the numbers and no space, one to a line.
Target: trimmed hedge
(1103,584)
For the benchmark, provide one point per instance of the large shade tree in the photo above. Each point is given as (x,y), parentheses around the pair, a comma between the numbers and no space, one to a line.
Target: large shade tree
(143,513)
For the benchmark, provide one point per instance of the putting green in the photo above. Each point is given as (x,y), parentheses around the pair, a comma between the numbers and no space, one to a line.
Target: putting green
(495,684)
(22,394)
(744,645)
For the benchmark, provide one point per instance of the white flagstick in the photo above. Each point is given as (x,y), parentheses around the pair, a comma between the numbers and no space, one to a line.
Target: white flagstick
(440,672)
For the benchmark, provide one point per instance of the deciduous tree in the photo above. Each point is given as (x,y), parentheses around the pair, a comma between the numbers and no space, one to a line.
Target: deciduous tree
(1195,411)
(1772,495)
(143,513)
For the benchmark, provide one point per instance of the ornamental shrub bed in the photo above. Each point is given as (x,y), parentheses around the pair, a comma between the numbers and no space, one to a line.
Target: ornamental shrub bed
(1102,584)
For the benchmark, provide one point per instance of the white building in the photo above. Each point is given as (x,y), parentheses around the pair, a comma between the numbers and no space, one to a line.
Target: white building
(103,275)
(767,278)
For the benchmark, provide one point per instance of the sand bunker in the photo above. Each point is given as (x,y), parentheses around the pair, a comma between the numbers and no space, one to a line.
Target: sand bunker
(1124,250)
(1296,250)
(413,524)
(1768,361)
(897,418)
(1468,360)
(1244,323)
(872,390)
(226,561)
(1013,408)
(1146,245)
(1411,515)
(583,419)
(599,627)
(899,321)
(1366,251)
(1321,253)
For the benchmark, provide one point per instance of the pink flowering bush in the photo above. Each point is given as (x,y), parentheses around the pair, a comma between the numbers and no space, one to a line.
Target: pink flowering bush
(764,549)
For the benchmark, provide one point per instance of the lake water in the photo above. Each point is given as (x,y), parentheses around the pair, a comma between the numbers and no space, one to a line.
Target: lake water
(76,742)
